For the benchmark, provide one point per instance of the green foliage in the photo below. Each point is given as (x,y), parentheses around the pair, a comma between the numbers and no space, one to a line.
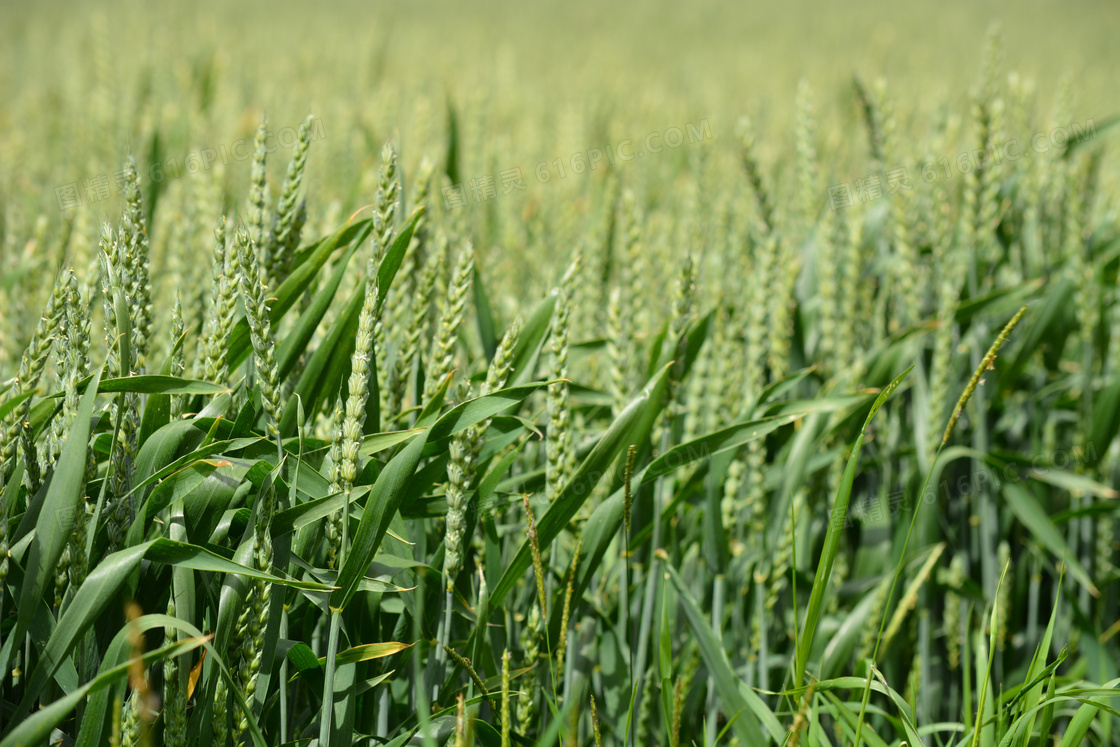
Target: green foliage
(659,451)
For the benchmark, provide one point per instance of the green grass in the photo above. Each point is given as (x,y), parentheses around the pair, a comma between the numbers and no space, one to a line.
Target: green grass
(668,451)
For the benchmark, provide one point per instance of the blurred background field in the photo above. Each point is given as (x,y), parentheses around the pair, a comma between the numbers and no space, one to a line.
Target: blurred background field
(532,82)
(529,85)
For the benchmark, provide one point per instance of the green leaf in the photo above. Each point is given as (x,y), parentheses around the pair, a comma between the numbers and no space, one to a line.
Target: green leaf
(367,652)
(379,442)
(844,640)
(1081,721)
(98,707)
(573,495)
(385,497)
(151,384)
(391,262)
(1038,670)
(1104,422)
(146,461)
(300,654)
(904,711)
(605,520)
(157,410)
(38,728)
(476,410)
(484,315)
(323,373)
(705,447)
(985,689)
(1033,516)
(744,716)
(176,487)
(306,268)
(451,166)
(12,403)
(1072,482)
(124,331)
(836,523)
(530,341)
(665,659)
(295,342)
(57,515)
(100,588)
(197,558)
(1042,327)
(1077,139)
(311,511)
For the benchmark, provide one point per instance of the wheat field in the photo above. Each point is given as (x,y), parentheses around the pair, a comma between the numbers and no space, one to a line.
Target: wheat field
(550,374)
